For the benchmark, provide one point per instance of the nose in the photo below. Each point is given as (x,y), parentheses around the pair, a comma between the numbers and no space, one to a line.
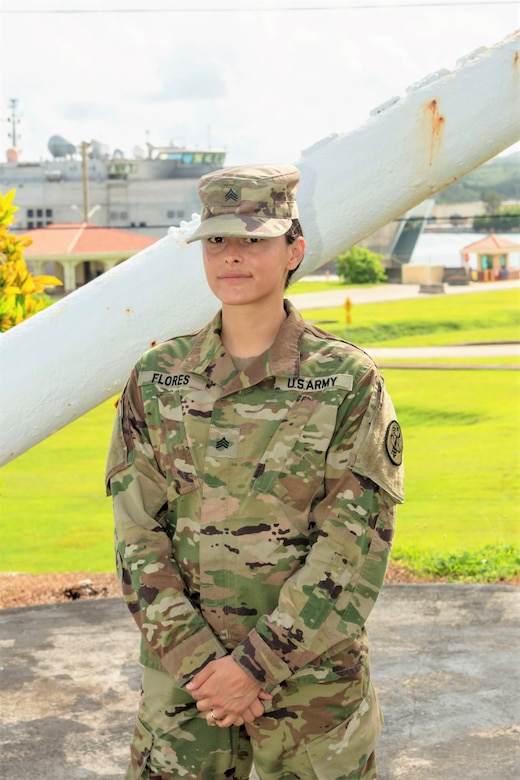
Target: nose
(233,253)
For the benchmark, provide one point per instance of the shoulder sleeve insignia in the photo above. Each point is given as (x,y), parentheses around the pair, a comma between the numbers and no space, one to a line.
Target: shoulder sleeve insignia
(394,443)
(378,449)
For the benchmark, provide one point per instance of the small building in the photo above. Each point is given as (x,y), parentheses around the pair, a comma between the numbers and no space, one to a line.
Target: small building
(77,253)
(493,258)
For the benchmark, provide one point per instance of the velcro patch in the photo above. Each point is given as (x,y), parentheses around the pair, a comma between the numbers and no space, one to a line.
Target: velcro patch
(169,381)
(311,384)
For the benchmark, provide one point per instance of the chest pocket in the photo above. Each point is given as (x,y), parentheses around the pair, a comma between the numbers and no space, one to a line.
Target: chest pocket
(168,437)
(293,464)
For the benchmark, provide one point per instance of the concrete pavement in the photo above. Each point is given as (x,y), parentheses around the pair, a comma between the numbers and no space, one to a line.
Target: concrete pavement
(444,657)
(511,349)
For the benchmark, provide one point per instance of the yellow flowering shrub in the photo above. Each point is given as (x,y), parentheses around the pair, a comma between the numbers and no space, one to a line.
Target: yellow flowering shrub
(21,293)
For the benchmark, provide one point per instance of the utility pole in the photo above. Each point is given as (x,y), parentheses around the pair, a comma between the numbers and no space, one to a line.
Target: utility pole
(85,146)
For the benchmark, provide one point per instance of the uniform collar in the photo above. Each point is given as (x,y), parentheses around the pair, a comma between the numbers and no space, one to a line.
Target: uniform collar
(210,358)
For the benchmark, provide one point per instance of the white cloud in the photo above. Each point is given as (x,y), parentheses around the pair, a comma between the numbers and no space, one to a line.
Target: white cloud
(263,83)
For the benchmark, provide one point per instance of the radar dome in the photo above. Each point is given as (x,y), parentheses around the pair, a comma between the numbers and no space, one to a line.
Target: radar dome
(60,147)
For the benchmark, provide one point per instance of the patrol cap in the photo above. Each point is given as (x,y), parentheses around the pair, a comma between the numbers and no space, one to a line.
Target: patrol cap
(248,200)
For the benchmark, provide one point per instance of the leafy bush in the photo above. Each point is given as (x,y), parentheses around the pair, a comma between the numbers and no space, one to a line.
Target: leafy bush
(507,220)
(360,266)
(21,294)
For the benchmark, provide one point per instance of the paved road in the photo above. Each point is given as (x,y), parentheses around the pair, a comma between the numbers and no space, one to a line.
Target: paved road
(448,351)
(444,659)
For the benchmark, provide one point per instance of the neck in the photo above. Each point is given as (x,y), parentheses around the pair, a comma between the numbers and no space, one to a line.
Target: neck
(249,332)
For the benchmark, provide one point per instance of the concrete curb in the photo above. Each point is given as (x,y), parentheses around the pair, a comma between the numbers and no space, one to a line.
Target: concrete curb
(444,659)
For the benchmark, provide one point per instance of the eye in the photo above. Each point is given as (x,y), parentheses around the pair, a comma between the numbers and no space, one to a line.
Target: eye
(253,240)
(216,240)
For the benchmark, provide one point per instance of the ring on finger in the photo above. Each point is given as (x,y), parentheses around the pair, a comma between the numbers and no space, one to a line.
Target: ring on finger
(214,717)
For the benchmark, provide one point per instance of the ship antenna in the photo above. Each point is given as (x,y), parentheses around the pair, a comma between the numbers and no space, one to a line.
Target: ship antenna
(14,120)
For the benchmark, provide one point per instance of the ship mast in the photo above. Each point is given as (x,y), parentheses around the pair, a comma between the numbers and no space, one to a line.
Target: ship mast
(14,120)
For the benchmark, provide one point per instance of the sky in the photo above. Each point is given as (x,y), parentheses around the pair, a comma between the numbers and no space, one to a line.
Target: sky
(262,79)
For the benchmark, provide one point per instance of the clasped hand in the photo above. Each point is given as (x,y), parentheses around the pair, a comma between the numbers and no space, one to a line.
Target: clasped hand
(227,694)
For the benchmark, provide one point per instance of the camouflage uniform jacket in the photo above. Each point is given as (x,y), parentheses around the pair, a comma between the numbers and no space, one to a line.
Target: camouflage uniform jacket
(254,509)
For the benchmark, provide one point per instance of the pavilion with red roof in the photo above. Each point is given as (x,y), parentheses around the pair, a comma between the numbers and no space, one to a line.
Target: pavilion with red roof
(492,258)
(77,253)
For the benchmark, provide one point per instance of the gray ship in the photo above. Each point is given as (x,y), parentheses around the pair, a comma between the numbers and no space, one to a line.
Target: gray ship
(149,191)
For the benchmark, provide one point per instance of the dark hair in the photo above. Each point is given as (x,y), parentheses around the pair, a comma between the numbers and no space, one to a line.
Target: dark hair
(294,232)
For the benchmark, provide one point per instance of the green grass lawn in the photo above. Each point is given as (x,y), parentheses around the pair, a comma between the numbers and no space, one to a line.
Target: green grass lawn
(462,445)
(462,457)
(453,319)
(53,512)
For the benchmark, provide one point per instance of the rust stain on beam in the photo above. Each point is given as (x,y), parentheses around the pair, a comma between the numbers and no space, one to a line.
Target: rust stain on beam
(436,122)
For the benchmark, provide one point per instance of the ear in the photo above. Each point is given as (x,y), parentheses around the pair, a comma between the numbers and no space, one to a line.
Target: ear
(296,255)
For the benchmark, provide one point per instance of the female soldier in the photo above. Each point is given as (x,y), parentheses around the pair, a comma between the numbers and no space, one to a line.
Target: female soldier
(254,468)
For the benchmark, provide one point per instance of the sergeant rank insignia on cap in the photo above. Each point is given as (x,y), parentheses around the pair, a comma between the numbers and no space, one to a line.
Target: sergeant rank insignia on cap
(231,195)
(247,201)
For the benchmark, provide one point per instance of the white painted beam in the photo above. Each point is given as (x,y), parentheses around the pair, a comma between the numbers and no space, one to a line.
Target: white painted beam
(71,357)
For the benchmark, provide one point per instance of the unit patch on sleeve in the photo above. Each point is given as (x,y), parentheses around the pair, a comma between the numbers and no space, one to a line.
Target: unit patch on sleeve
(394,443)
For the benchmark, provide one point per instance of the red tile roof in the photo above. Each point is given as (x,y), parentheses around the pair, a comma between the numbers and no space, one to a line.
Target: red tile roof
(490,244)
(84,239)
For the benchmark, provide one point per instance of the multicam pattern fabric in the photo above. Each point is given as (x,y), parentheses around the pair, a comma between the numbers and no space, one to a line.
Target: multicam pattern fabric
(254,515)
(172,736)
(257,200)
(310,731)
